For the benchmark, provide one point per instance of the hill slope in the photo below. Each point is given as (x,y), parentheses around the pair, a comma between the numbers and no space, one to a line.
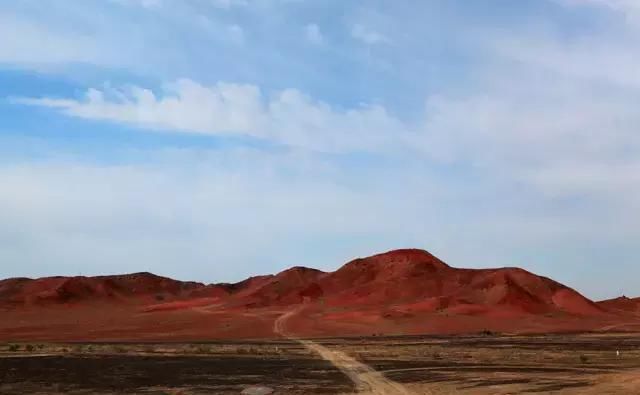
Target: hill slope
(622,303)
(400,291)
(55,290)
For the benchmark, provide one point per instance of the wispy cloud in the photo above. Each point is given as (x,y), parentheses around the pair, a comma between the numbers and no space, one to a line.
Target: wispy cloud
(627,6)
(287,117)
(27,42)
(368,36)
(486,147)
(142,3)
(314,35)
(237,33)
(228,3)
(60,212)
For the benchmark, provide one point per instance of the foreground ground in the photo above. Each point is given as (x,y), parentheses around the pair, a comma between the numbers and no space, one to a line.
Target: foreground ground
(552,364)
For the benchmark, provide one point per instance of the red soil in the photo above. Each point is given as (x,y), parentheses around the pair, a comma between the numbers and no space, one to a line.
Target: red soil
(56,290)
(401,291)
(621,304)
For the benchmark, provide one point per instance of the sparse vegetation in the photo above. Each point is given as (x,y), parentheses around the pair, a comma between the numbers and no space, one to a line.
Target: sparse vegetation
(120,349)
(149,349)
(14,347)
(519,355)
(29,348)
(203,349)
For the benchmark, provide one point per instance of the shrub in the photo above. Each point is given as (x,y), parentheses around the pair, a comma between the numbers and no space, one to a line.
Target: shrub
(584,358)
(120,349)
(14,347)
(30,348)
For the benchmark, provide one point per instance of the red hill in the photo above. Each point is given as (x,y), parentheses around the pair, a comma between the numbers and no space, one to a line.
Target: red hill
(24,291)
(622,303)
(416,276)
(401,291)
(292,286)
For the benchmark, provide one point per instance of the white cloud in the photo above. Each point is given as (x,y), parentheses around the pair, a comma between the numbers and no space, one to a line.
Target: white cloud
(228,3)
(610,60)
(314,35)
(628,7)
(225,4)
(26,42)
(142,3)
(228,214)
(237,33)
(368,36)
(224,215)
(287,117)
(530,146)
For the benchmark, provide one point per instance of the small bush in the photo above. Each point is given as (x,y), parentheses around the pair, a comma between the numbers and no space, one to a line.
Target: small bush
(361,357)
(202,350)
(149,349)
(584,358)
(14,347)
(120,349)
(436,355)
(40,346)
(30,348)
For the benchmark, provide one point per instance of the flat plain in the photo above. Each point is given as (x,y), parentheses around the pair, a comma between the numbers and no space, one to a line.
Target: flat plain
(479,364)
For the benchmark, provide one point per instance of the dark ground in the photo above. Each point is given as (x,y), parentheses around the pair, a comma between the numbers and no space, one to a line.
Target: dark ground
(488,364)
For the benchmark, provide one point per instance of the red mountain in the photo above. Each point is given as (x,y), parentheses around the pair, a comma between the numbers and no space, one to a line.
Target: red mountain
(622,303)
(292,286)
(401,291)
(24,291)
(410,276)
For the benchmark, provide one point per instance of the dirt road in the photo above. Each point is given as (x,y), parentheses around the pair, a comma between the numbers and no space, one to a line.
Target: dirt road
(367,379)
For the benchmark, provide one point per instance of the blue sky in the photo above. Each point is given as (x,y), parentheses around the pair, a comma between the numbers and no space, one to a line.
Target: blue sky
(215,139)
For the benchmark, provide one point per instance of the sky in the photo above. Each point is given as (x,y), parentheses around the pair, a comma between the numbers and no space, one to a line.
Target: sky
(211,140)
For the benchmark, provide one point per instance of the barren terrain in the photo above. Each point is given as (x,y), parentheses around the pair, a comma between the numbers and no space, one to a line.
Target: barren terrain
(401,292)
(401,322)
(550,364)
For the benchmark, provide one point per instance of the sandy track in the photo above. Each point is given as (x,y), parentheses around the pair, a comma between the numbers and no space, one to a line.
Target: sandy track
(367,379)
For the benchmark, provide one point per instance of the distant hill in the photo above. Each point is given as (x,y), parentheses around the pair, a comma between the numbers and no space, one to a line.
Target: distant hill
(406,291)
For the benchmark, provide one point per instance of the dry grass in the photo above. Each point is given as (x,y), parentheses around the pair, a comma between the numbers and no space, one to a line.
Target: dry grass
(482,365)
(505,365)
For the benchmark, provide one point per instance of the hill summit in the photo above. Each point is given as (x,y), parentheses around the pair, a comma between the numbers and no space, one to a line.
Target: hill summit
(406,290)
